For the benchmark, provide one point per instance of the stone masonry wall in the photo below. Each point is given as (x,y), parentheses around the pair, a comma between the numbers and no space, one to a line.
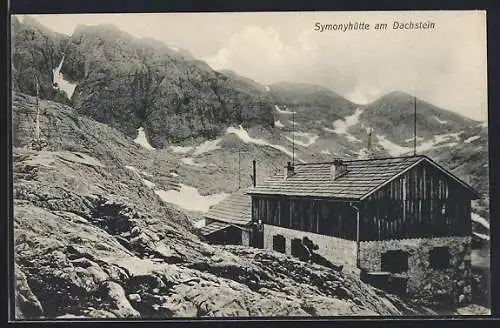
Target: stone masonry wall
(245,237)
(433,286)
(336,250)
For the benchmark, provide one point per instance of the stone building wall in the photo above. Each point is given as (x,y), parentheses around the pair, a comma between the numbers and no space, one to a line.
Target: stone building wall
(336,250)
(432,285)
(245,237)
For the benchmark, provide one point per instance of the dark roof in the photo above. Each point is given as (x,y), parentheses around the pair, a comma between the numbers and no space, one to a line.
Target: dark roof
(213,227)
(362,178)
(235,209)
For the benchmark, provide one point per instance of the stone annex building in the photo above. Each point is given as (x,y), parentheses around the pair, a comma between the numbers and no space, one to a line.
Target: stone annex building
(403,223)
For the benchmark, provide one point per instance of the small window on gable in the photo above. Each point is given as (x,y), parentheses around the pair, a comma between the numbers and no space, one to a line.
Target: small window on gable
(279,243)
(439,258)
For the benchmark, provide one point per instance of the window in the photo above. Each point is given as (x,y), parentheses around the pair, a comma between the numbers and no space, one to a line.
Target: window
(394,261)
(296,247)
(274,211)
(279,243)
(295,215)
(284,208)
(439,258)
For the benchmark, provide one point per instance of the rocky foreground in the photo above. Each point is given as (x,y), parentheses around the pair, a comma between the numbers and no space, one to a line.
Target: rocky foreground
(92,239)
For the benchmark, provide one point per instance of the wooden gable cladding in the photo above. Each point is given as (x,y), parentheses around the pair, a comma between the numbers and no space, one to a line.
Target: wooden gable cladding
(421,202)
(321,216)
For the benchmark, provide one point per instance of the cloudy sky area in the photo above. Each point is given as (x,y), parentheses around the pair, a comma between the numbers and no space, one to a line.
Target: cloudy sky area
(446,66)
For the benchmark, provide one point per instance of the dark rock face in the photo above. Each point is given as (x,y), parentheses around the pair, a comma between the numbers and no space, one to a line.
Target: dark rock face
(36,51)
(127,83)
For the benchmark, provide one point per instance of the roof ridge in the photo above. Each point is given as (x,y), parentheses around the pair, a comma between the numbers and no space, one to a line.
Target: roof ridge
(361,160)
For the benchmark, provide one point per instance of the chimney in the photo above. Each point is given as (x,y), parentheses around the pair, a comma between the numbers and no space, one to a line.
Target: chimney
(289,170)
(254,177)
(337,169)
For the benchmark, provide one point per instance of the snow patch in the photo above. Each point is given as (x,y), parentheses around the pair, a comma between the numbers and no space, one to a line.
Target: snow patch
(148,183)
(181,149)
(190,161)
(479,219)
(174,48)
(60,83)
(392,148)
(245,137)
(311,138)
(279,124)
(433,143)
(348,136)
(341,126)
(483,124)
(173,174)
(283,111)
(325,152)
(207,146)
(471,139)
(204,147)
(439,120)
(190,199)
(436,142)
(142,140)
(411,139)
(482,236)
(267,88)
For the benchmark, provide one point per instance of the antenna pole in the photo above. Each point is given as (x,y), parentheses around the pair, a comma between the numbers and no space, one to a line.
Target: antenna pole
(370,143)
(293,138)
(37,110)
(239,168)
(415,125)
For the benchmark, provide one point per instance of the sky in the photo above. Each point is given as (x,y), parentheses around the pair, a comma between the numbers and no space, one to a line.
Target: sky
(445,66)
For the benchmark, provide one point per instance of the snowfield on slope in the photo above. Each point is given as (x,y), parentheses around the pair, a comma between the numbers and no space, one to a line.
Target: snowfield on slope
(61,82)
(142,140)
(245,137)
(205,147)
(436,142)
(190,161)
(341,126)
(311,138)
(190,199)
(479,219)
(283,111)
(439,120)
(471,139)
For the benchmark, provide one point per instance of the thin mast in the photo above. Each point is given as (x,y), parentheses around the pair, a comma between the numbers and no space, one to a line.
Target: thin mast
(369,146)
(415,125)
(239,167)
(293,138)
(37,131)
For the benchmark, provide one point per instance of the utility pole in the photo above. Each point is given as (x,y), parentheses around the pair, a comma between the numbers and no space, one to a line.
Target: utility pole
(293,138)
(415,124)
(37,128)
(239,167)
